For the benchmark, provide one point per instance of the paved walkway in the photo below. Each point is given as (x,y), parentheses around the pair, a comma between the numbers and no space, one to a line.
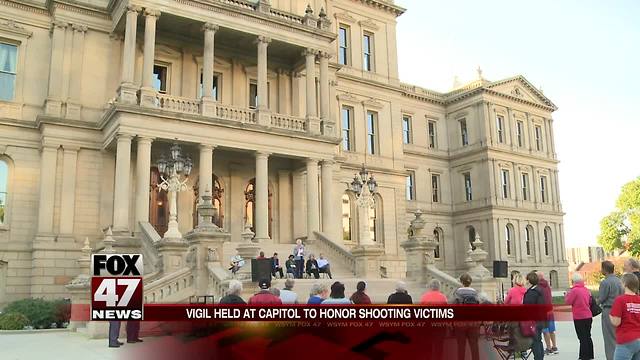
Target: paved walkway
(71,345)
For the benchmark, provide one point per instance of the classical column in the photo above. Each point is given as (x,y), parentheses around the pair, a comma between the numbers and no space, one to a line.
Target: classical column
(68,195)
(75,88)
(263,90)
(313,223)
(328,207)
(327,124)
(47,189)
(127,90)
(313,123)
(205,173)
(143,179)
(208,107)
(147,92)
(121,188)
(53,104)
(261,221)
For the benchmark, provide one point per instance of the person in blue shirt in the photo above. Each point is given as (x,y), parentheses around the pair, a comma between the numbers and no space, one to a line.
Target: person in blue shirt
(318,293)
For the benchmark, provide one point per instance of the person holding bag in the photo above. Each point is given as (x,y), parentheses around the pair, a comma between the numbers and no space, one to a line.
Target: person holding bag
(582,303)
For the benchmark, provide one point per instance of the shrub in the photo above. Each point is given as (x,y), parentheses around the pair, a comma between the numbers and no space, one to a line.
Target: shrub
(13,321)
(41,313)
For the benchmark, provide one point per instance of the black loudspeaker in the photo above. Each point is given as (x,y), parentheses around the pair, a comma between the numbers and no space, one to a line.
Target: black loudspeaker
(500,269)
(260,269)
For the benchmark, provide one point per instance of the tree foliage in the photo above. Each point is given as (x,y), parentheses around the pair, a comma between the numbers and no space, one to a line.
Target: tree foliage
(621,228)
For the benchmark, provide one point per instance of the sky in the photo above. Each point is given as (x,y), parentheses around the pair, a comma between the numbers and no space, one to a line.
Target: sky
(585,55)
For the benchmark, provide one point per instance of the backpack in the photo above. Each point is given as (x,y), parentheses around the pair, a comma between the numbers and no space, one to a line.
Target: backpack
(469,299)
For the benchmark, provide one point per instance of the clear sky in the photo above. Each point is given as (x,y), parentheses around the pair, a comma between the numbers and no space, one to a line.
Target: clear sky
(585,55)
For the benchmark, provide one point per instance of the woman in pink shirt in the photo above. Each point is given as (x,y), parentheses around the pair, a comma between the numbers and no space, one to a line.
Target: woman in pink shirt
(516,293)
(433,295)
(579,297)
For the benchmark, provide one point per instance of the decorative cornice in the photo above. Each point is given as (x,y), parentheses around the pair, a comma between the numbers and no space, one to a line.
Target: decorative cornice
(371,102)
(11,27)
(385,6)
(24,7)
(79,9)
(345,17)
(369,24)
(347,97)
(79,28)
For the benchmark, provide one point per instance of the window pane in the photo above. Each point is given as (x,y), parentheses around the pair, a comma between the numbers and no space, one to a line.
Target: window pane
(7,86)
(160,78)
(343,37)
(253,95)
(4,178)
(346,218)
(371,132)
(8,54)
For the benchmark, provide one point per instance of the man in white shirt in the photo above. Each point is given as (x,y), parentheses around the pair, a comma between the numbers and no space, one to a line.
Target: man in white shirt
(287,295)
(323,266)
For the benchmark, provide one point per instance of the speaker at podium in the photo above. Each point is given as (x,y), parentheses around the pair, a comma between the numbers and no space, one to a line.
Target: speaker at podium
(260,269)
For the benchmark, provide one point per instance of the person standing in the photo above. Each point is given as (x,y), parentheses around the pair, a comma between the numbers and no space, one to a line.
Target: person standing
(337,297)
(360,297)
(515,296)
(298,256)
(401,296)
(632,265)
(287,295)
(610,289)
(625,317)
(433,294)
(535,296)
(318,293)
(466,332)
(549,331)
(264,296)
(114,332)
(233,296)
(579,297)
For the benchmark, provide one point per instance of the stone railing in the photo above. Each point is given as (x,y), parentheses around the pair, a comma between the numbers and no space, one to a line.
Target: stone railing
(218,281)
(336,251)
(177,104)
(148,238)
(169,286)
(287,16)
(240,3)
(448,284)
(236,114)
(288,122)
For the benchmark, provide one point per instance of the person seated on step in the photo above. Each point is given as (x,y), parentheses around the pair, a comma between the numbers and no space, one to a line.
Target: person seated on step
(236,263)
(275,266)
(312,266)
(291,266)
(323,266)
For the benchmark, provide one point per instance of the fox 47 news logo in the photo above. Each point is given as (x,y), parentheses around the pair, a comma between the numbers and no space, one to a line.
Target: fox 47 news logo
(116,287)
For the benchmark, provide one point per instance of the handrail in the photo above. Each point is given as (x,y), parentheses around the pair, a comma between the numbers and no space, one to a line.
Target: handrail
(337,251)
(218,280)
(157,290)
(448,284)
(148,238)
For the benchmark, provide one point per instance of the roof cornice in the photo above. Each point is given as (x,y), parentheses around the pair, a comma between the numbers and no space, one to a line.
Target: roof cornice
(384,5)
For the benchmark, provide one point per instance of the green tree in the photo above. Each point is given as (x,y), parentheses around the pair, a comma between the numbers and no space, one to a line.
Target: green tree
(621,228)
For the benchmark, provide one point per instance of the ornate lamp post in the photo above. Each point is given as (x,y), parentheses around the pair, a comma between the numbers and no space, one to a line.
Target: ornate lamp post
(364,186)
(171,170)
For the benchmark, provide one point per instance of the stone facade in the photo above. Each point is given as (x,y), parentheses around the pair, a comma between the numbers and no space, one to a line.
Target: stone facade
(97,91)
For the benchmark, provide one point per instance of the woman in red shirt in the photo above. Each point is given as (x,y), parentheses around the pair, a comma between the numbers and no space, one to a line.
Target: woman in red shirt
(516,293)
(625,317)
(433,295)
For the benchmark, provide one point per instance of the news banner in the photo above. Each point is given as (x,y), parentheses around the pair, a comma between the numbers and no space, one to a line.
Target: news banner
(117,295)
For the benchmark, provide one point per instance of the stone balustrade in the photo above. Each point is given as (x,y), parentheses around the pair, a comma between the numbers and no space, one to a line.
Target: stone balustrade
(288,122)
(177,104)
(238,114)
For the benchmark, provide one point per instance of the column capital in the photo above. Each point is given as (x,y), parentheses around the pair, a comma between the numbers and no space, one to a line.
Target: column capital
(311,161)
(124,137)
(134,8)
(210,27)
(59,24)
(325,54)
(309,52)
(261,39)
(152,12)
(70,148)
(262,154)
(80,28)
(328,162)
(145,139)
(205,147)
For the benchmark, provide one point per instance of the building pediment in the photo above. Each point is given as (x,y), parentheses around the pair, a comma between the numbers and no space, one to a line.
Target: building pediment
(518,87)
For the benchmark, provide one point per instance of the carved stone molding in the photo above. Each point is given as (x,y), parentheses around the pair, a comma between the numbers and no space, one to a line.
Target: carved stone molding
(210,27)
(347,97)
(345,17)
(11,27)
(80,28)
(460,115)
(262,39)
(152,12)
(134,8)
(372,103)
(369,24)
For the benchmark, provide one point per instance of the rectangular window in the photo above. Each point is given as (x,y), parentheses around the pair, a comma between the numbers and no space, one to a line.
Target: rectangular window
(505,183)
(467,186)
(8,71)
(435,188)
(538,134)
(500,128)
(406,129)
(372,119)
(253,94)
(367,49)
(519,133)
(432,134)
(463,132)
(410,186)
(525,187)
(216,78)
(343,43)
(543,189)
(347,128)
(160,77)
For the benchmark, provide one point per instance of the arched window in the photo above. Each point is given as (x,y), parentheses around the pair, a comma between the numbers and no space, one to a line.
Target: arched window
(437,237)
(4,189)
(375,220)
(553,278)
(218,197)
(472,236)
(250,208)
(347,219)
(547,240)
(528,238)
(508,235)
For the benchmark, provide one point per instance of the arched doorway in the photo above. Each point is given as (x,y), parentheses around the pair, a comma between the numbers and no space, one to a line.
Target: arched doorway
(250,208)
(218,201)
(158,204)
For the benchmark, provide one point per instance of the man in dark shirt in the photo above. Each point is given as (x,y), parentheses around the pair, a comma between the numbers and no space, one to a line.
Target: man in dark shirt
(233,296)
(400,296)
(264,296)
(275,266)
(610,288)
(535,296)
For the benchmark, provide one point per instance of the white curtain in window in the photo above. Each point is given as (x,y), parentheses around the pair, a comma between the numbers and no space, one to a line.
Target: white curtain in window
(8,54)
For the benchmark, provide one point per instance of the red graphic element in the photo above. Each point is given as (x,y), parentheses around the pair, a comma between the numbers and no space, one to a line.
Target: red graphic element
(116,298)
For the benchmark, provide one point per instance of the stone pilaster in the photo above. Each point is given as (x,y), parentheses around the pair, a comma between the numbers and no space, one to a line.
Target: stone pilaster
(127,92)
(53,103)
(208,107)
(313,223)
(77,60)
(264,118)
(68,198)
(261,221)
(328,125)
(143,180)
(147,92)
(313,123)
(48,164)
(122,190)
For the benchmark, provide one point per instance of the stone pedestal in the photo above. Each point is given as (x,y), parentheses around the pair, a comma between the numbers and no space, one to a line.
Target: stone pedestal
(205,247)
(328,128)
(419,249)
(367,263)
(148,97)
(208,107)
(263,117)
(53,107)
(172,254)
(73,110)
(313,125)
(80,291)
(482,278)
(128,94)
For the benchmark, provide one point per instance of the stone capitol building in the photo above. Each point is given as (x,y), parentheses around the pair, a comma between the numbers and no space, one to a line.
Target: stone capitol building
(192,130)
